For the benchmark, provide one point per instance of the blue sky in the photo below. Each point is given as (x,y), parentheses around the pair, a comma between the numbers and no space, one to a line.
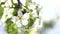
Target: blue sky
(2,31)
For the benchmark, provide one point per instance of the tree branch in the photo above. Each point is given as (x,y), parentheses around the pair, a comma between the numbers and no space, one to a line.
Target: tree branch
(19,3)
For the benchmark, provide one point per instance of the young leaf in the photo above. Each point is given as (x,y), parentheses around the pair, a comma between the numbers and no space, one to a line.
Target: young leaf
(1,12)
(11,28)
(27,3)
(15,12)
(31,21)
(31,32)
(37,10)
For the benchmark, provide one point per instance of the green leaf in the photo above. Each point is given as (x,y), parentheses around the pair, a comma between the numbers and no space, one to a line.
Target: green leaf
(31,10)
(11,28)
(31,21)
(37,10)
(27,2)
(1,12)
(31,32)
(15,12)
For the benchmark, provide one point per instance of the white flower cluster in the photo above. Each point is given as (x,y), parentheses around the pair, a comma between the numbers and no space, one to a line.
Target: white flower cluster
(23,19)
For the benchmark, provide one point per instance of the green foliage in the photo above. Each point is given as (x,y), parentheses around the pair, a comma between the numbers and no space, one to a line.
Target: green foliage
(11,28)
(15,12)
(31,32)
(27,3)
(1,11)
(31,21)
(31,10)
(37,10)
